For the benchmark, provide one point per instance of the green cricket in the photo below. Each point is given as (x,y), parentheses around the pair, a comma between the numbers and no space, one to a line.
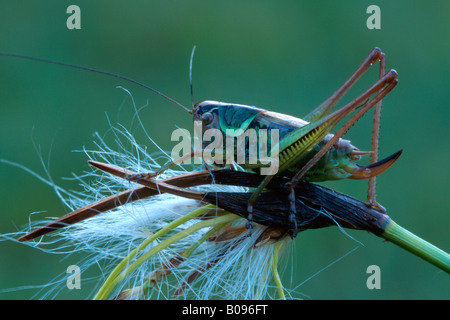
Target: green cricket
(308,151)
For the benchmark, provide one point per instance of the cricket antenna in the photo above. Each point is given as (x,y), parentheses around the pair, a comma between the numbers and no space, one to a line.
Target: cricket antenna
(96,71)
(190,77)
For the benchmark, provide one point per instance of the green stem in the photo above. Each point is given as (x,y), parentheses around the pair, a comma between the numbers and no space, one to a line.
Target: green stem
(101,293)
(107,287)
(416,245)
(148,284)
(276,276)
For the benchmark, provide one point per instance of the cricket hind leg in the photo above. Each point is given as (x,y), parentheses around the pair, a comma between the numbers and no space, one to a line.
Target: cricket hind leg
(391,82)
(381,88)
(371,194)
(327,106)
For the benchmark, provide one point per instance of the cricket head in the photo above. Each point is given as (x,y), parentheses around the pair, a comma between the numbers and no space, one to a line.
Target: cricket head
(223,116)
(207,113)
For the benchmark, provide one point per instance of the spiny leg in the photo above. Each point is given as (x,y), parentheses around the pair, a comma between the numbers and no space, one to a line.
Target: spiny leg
(292,212)
(311,133)
(371,195)
(391,80)
(381,94)
(327,106)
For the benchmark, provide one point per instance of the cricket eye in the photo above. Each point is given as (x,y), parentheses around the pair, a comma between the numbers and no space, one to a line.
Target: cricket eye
(207,118)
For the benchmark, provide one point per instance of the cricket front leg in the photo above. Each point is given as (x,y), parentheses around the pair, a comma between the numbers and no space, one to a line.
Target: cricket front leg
(165,167)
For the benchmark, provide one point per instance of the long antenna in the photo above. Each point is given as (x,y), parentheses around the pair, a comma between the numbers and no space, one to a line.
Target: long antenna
(190,77)
(96,71)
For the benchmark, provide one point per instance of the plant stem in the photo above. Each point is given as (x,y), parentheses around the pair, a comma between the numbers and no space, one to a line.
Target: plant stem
(416,245)
(100,294)
(148,284)
(276,249)
(108,286)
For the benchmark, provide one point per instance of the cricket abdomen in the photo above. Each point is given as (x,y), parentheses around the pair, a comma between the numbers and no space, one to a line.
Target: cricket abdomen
(334,165)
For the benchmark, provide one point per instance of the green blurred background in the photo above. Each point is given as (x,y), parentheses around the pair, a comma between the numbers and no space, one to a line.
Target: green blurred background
(286,56)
